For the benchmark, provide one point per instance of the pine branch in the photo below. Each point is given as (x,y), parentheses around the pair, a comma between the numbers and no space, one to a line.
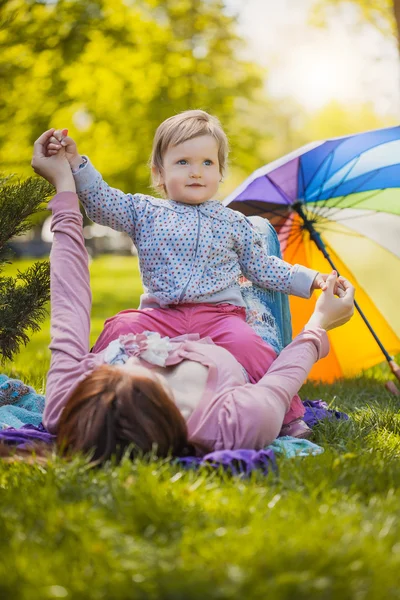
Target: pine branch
(20,200)
(22,306)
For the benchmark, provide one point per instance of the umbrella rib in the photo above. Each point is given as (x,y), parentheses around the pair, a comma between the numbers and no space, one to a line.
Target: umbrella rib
(332,230)
(318,209)
(287,235)
(354,191)
(300,236)
(373,193)
(280,190)
(300,163)
(331,156)
(290,233)
(327,158)
(357,157)
(255,206)
(343,179)
(293,235)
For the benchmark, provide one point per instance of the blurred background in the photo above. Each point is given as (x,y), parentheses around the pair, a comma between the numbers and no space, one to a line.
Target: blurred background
(277,74)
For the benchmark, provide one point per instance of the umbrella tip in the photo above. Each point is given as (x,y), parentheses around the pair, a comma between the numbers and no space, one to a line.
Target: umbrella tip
(395,369)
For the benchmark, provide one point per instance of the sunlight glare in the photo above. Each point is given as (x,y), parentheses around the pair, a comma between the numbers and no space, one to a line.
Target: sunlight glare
(319,77)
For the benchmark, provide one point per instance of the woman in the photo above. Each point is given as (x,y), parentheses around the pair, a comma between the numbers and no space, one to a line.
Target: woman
(144,390)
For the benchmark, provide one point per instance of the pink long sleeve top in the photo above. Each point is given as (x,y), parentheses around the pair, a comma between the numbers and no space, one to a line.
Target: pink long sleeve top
(231,413)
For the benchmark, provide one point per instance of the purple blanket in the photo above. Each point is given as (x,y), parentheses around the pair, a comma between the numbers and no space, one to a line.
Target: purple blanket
(242,461)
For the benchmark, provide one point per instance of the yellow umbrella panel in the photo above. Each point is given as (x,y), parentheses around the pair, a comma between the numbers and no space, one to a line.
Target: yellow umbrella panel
(375,271)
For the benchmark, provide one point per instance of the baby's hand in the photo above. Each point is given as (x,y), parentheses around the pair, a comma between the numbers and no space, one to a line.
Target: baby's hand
(331,312)
(319,283)
(61,142)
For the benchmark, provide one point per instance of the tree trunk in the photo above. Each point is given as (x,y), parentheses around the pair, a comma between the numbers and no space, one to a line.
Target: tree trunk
(396,11)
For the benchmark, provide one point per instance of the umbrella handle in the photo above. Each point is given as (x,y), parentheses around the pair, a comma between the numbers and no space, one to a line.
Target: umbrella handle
(395,369)
(392,388)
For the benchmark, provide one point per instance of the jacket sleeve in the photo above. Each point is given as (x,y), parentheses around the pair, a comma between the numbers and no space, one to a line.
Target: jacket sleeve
(106,205)
(70,306)
(252,415)
(265,270)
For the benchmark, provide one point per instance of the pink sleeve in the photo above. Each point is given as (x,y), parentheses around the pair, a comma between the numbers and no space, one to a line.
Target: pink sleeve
(70,305)
(252,415)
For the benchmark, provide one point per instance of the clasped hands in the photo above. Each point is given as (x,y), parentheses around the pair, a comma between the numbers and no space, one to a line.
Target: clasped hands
(55,168)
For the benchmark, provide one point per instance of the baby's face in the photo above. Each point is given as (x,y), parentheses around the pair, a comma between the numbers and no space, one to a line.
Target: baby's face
(191,170)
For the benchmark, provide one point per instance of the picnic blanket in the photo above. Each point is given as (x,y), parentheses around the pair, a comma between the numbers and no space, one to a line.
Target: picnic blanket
(21,410)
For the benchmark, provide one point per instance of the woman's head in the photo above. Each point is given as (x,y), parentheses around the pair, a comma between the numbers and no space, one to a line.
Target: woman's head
(185,142)
(113,409)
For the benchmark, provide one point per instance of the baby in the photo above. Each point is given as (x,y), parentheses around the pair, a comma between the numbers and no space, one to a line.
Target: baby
(192,250)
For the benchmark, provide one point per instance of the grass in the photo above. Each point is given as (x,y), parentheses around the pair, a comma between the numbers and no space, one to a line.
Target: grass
(324,527)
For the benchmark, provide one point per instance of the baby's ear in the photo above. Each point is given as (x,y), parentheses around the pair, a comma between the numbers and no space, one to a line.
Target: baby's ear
(157,175)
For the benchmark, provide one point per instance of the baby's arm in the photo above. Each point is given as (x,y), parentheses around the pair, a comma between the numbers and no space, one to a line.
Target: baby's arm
(103,204)
(269,271)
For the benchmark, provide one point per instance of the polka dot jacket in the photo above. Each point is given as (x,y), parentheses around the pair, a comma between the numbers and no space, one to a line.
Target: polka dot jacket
(189,253)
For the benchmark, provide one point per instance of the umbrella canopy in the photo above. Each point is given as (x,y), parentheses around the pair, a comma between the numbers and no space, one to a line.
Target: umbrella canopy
(343,195)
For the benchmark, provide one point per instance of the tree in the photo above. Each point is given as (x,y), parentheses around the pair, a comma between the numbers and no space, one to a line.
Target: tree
(112,70)
(383,14)
(22,298)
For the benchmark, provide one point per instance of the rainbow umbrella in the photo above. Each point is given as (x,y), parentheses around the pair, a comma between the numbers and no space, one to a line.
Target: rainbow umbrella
(338,202)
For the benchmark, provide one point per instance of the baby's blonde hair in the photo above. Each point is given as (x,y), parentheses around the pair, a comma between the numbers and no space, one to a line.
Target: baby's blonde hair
(180,128)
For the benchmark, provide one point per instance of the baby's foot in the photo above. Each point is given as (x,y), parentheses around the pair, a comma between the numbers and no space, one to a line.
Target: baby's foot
(297,428)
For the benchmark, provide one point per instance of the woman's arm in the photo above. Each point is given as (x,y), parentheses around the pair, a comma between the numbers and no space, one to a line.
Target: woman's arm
(70,301)
(252,415)
(70,305)
(71,298)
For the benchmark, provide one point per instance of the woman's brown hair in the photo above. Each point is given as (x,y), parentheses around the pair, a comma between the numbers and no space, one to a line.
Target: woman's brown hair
(112,409)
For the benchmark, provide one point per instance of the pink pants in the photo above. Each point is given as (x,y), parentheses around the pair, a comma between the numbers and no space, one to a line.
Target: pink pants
(225,324)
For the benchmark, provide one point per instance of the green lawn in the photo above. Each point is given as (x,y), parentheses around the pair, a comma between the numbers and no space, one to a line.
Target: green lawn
(325,527)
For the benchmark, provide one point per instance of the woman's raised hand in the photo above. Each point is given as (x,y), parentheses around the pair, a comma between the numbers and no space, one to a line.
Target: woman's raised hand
(332,311)
(55,168)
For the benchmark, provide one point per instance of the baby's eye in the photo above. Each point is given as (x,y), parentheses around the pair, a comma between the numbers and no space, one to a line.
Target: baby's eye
(208,162)
(182,162)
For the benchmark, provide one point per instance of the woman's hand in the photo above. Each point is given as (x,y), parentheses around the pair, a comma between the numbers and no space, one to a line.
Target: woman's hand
(56,168)
(332,311)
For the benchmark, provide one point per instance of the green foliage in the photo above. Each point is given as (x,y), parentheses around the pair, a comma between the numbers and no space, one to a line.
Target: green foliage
(22,306)
(19,202)
(380,13)
(335,119)
(24,296)
(111,71)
